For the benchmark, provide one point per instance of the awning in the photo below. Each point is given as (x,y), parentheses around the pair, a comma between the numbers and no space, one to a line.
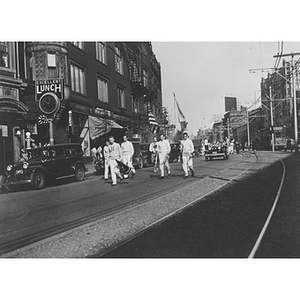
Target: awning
(99,126)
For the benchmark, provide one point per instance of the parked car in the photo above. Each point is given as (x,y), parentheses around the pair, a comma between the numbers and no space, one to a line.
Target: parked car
(216,151)
(141,155)
(175,152)
(39,165)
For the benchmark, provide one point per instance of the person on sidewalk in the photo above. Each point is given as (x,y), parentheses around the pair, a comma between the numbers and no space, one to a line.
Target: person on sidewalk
(187,149)
(127,154)
(164,149)
(154,154)
(106,155)
(114,153)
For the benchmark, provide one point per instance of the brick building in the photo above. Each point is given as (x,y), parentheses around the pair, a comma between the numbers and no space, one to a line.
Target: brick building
(108,88)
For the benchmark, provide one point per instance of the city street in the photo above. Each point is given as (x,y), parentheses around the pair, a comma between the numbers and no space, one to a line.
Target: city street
(227,224)
(223,223)
(28,216)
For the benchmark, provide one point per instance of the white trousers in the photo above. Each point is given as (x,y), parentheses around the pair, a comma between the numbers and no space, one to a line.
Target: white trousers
(106,166)
(126,158)
(163,162)
(187,163)
(114,170)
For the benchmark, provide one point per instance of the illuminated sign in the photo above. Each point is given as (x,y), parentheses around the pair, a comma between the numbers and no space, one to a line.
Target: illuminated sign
(54,86)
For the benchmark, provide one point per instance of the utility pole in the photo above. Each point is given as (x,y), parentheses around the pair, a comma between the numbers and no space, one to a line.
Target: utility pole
(272,121)
(294,96)
(248,127)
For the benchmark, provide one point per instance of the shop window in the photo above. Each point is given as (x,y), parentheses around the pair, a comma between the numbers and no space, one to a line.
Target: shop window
(121,97)
(77,79)
(102,90)
(101,52)
(118,60)
(32,128)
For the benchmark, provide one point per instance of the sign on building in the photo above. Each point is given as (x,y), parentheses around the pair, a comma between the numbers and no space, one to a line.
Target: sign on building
(54,86)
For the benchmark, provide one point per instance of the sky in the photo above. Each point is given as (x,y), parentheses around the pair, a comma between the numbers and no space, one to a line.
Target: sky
(201,74)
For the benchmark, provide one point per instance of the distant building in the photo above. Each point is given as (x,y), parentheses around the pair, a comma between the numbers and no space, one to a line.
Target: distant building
(230,103)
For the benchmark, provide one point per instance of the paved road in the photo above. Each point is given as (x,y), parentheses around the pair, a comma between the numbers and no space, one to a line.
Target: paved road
(228,223)
(27,216)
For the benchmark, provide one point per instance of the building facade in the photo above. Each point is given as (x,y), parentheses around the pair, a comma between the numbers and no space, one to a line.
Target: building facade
(103,88)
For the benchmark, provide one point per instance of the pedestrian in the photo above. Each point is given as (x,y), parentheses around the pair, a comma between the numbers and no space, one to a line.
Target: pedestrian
(164,149)
(114,153)
(237,147)
(187,149)
(106,155)
(127,151)
(154,154)
(206,143)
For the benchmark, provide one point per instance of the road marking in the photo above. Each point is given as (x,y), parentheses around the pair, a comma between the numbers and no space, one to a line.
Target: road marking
(252,254)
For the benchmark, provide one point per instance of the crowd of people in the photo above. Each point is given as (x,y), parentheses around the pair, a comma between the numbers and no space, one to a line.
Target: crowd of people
(118,159)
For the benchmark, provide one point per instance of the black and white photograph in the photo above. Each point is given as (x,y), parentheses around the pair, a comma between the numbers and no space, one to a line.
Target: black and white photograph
(160,154)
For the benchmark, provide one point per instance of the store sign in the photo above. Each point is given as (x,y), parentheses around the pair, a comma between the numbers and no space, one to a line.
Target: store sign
(102,112)
(53,86)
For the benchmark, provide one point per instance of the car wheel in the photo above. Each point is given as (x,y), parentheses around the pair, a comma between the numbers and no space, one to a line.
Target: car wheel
(38,180)
(4,189)
(79,173)
(141,163)
(206,158)
(146,163)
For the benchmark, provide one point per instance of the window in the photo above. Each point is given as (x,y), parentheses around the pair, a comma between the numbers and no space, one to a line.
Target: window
(118,60)
(134,105)
(101,52)
(32,128)
(102,90)
(78,45)
(120,97)
(4,58)
(77,79)
(145,78)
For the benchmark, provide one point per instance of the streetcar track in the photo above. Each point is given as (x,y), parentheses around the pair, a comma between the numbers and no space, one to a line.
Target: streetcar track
(264,229)
(28,239)
(170,215)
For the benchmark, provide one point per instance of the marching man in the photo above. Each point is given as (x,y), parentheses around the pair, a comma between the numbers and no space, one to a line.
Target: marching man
(154,154)
(164,149)
(114,153)
(127,153)
(187,149)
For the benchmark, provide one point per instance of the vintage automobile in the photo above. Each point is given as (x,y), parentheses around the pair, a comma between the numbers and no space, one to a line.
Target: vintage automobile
(141,156)
(39,165)
(216,151)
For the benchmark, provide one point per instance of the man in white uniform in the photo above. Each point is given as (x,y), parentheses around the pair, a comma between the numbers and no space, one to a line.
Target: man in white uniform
(114,153)
(187,149)
(154,154)
(106,155)
(127,154)
(164,149)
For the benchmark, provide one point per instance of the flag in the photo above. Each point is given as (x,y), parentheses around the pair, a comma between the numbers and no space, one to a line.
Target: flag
(181,117)
(151,118)
(152,122)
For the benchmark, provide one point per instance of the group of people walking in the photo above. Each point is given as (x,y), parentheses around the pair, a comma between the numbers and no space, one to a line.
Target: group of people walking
(115,154)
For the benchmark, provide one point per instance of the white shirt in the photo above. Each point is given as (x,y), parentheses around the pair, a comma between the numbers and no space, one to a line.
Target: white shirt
(164,147)
(127,148)
(114,151)
(187,147)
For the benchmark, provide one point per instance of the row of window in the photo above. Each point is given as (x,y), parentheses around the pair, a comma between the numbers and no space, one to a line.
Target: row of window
(101,55)
(78,85)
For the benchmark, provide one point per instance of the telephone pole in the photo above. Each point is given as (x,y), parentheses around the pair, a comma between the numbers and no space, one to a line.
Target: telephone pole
(294,96)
